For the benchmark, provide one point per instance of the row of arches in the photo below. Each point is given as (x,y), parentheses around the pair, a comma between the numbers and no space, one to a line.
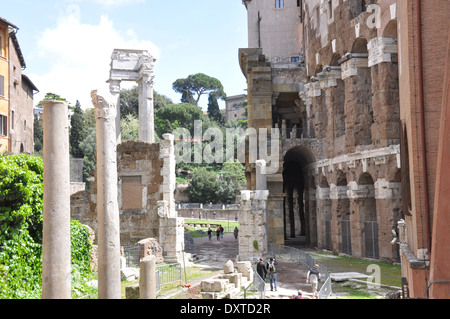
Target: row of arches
(335,213)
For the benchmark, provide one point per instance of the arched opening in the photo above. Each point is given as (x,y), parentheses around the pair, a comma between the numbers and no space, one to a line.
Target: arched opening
(295,187)
(334,59)
(390,31)
(368,216)
(360,46)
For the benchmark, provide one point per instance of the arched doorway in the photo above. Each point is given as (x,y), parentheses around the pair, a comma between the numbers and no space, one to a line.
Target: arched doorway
(296,217)
(368,216)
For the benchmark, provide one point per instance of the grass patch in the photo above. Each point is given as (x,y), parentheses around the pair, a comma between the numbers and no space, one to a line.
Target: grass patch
(195,232)
(390,274)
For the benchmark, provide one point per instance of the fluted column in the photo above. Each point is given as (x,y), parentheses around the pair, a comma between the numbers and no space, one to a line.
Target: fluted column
(107,205)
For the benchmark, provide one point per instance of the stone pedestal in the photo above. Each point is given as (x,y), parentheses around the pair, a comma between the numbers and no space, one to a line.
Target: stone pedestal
(147,278)
(107,205)
(56,256)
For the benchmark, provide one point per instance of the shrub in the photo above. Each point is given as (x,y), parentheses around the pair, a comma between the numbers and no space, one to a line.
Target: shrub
(21,205)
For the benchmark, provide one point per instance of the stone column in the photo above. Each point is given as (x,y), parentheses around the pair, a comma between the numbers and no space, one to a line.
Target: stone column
(147,278)
(146,113)
(261,180)
(107,205)
(114,89)
(56,263)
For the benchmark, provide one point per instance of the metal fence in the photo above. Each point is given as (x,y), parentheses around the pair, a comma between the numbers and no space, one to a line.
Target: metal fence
(168,274)
(165,274)
(259,285)
(297,255)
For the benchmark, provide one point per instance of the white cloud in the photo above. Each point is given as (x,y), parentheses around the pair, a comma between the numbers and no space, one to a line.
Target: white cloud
(77,56)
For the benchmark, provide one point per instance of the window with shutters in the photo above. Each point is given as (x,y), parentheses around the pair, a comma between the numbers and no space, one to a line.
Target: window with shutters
(2,85)
(3,125)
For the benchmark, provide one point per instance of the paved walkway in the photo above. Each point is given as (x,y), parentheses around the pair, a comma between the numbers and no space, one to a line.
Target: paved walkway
(290,276)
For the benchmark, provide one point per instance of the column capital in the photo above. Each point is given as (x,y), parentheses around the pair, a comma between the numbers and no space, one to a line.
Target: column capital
(381,50)
(329,76)
(351,62)
(114,86)
(103,108)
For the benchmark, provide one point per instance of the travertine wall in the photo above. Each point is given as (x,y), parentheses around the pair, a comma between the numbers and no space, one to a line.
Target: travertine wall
(253,243)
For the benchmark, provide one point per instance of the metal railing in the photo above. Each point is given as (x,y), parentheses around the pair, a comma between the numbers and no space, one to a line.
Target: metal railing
(297,255)
(259,285)
(168,274)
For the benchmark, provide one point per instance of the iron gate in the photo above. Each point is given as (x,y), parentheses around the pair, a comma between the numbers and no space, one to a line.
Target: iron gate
(371,239)
(346,237)
(328,244)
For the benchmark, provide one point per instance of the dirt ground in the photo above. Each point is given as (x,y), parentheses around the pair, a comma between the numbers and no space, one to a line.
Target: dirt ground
(291,277)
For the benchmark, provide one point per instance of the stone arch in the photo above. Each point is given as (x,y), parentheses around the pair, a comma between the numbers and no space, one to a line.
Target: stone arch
(359,45)
(390,30)
(367,211)
(295,176)
(335,59)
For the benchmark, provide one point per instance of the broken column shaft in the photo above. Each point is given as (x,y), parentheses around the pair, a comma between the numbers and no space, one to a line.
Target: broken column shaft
(56,263)
(107,205)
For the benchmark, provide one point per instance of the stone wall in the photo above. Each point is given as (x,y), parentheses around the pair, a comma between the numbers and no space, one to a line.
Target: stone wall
(347,156)
(253,243)
(146,183)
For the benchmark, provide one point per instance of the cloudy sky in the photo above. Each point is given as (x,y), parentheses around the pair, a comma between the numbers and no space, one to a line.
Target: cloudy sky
(67,44)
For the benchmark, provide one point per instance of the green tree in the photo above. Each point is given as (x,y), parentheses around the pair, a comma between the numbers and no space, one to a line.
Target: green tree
(198,84)
(213,109)
(204,186)
(180,115)
(129,127)
(129,101)
(89,147)
(76,131)
(38,132)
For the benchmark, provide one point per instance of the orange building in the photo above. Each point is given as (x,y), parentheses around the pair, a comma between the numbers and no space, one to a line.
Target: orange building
(4,84)
(16,95)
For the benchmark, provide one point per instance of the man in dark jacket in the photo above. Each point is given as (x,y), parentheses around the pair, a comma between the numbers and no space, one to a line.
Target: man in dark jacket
(261,269)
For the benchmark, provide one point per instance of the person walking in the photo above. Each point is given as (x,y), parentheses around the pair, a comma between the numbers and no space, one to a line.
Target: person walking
(218,233)
(221,231)
(272,272)
(313,277)
(261,269)
(209,233)
(236,232)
